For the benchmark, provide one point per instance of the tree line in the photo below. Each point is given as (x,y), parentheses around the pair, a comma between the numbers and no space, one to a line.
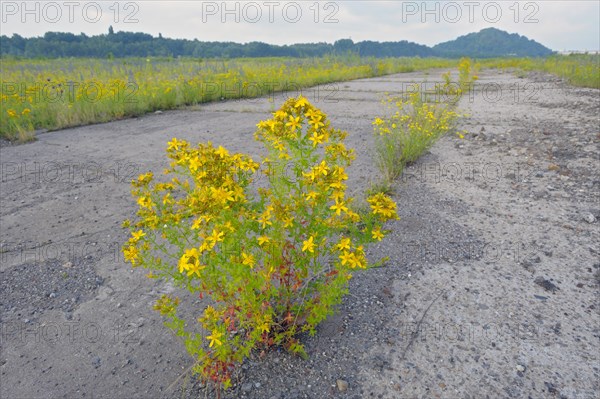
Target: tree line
(487,43)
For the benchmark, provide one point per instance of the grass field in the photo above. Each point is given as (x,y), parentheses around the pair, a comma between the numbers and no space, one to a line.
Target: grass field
(578,69)
(54,94)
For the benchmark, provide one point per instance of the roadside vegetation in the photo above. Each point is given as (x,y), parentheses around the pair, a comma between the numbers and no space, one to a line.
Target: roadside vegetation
(415,121)
(60,93)
(55,94)
(581,70)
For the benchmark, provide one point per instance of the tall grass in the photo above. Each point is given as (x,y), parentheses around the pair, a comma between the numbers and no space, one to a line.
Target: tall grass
(53,94)
(581,70)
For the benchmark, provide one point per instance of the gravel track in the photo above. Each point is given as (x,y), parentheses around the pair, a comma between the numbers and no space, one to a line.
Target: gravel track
(492,288)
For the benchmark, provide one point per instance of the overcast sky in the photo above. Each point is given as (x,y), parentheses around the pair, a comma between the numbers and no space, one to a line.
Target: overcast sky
(559,25)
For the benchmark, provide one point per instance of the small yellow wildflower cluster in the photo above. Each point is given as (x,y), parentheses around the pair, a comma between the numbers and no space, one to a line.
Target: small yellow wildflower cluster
(411,129)
(383,206)
(274,260)
(467,73)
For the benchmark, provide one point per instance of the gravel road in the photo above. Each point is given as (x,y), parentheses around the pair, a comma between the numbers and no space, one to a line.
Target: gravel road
(492,289)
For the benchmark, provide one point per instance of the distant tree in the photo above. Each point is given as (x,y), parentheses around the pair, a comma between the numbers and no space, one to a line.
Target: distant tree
(111,31)
(343,46)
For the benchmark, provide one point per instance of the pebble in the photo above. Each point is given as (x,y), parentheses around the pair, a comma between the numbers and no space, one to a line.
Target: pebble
(342,385)
(246,387)
(588,217)
(520,368)
(546,284)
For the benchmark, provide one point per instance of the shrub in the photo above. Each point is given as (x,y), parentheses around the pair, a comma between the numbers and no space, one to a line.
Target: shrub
(274,260)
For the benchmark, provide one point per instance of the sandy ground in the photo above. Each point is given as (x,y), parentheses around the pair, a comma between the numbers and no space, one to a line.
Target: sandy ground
(492,289)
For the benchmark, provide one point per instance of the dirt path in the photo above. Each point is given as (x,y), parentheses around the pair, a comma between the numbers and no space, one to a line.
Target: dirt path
(492,288)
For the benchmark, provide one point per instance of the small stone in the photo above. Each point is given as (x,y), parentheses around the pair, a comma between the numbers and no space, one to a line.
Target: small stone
(342,385)
(520,368)
(158,112)
(551,387)
(52,295)
(119,305)
(545,284)
(246,387)
(588,217)
(67,265)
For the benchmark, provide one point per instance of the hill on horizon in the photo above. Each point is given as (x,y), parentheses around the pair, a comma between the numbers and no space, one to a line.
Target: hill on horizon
(490,42)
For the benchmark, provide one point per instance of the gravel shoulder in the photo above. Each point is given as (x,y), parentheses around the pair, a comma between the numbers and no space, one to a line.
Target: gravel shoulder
(492,288)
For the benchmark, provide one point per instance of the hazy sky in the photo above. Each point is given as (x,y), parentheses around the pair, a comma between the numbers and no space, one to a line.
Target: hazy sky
(559,25)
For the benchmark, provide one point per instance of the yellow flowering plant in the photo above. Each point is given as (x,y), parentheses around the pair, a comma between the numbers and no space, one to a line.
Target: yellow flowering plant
(450,91)
(273,260)
(467,73)
(412,128)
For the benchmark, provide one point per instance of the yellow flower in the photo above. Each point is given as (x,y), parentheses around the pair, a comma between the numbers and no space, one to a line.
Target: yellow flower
(322,169)
(136,235)
(12,113)
(221,195)
(214,339)
(280,114)
(377,234)
(310,175)
(312,195)
(309,245)
(266,324)
(262,240)
(343,244)
(145,178)
(317,138)
(378,121)
(287,222)
(167,199)
(294,122)
(301,102)
(339,207)
(216,236)
(131,254)
(248,260)
(175,144)
(190,262)
(222,152)
(311,113)
(265,219)
(26,111)
(145,202)
(346,257)
(316,121)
